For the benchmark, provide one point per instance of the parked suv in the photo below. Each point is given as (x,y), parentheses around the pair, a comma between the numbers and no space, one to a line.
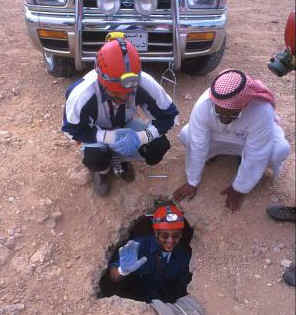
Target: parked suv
(189,34)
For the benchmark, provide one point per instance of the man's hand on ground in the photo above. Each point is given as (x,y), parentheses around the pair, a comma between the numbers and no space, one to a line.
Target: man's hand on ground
(234,199)
(185,191)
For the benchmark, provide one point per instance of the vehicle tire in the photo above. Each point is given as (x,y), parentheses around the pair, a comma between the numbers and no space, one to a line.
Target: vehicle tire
(204,64)
(59,66)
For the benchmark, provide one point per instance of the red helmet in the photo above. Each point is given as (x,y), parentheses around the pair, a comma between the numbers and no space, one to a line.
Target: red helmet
(290,33)
(118,65)
(168,218)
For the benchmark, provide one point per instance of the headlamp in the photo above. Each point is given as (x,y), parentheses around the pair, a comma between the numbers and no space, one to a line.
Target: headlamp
(171,217)
(203,4)
(145,7)
(108,7)
(127,80)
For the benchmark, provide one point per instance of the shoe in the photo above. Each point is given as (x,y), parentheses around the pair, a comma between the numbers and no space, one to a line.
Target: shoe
(282,213)
(128,173)
(290,275)
(101,184)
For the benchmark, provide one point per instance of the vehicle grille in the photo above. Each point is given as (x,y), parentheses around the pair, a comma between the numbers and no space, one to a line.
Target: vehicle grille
(157,42)
(129,4)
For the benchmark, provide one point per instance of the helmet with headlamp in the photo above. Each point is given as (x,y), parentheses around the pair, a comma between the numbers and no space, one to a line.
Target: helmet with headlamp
(118,64)
(168,218)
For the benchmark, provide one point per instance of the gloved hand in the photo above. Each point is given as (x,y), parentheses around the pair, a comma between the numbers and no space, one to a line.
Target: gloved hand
(128,258)
(126,143)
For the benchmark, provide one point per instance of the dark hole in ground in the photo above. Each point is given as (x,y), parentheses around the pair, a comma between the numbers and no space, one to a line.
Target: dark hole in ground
(142,226)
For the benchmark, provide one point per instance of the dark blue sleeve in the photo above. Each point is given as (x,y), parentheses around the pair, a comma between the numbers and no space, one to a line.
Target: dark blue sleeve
(164,119)
(85,131)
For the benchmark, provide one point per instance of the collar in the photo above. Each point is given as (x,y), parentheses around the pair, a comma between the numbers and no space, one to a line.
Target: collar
(106,97)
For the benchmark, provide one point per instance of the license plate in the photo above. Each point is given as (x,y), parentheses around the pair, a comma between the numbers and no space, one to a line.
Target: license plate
(139,40)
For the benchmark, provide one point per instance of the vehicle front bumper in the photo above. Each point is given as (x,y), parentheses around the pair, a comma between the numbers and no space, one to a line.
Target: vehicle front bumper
(79,27)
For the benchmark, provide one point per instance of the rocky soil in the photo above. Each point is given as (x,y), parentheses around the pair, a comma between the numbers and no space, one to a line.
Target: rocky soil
(55,233)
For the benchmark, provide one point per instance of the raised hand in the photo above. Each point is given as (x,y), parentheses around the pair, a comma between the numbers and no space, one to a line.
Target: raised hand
(128,258)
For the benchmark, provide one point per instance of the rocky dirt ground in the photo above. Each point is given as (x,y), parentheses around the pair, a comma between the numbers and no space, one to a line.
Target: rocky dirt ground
(55,233)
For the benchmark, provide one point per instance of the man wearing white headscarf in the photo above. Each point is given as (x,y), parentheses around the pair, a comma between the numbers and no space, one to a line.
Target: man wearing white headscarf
(235,116)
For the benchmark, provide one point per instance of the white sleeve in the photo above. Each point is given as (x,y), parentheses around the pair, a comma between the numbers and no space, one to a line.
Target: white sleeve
(257,150)
(198,141)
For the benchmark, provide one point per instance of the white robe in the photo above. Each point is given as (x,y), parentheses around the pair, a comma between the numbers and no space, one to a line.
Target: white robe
(255,136)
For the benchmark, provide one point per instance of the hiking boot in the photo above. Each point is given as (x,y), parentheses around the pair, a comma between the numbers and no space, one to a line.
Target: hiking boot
(128,173)
(282,213)
(101,184)
(290,275)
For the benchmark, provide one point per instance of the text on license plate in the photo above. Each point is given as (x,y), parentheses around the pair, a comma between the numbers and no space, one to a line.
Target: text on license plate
(139,40)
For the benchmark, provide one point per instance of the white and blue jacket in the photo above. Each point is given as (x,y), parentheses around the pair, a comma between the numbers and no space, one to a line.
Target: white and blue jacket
(87,114)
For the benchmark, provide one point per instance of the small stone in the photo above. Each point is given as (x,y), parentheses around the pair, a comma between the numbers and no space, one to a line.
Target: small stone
(4,254)
(188,97)
(246,301)
(268,261)
(10,232)
(257,276)
(42,255)
(10,243)
(57,215)
(43,218)
(276,249)
(4,133)
(11,199)
(15,92)
(286,263)
(12,309)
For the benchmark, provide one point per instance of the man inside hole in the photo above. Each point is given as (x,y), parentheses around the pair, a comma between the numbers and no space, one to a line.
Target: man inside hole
(154,266)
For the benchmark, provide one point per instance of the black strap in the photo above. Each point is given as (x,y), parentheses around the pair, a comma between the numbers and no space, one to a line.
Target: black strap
(117,120)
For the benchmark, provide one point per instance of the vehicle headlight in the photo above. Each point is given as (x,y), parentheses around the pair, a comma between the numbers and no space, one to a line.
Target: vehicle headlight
(145,7)
(203,4)
(47,2)
(108,7)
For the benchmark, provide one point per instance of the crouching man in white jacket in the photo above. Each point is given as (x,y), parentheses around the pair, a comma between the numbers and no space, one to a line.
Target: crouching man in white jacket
(235,116)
